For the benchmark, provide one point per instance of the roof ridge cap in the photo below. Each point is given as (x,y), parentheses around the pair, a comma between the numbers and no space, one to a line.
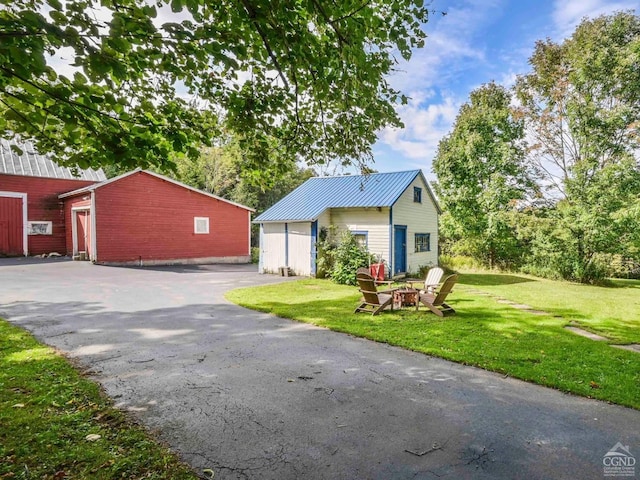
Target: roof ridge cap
(356,175)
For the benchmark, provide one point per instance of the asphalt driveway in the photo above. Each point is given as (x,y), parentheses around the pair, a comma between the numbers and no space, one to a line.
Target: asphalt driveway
(253,396)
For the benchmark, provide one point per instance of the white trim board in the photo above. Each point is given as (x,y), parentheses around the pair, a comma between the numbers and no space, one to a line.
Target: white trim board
(74,227)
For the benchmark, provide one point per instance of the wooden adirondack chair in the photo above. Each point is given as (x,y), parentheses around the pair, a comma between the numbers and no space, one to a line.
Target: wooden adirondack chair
(433,280)
(366,271)
(435,301)
(373,301)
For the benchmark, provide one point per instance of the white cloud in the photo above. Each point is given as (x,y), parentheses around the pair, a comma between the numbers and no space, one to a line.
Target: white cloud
(452,51)
(424,128)
(567,14)
(450,48)
(508,79)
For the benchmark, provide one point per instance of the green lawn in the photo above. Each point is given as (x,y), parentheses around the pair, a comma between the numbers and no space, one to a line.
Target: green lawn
(613,312)
(488,334)
(47,410)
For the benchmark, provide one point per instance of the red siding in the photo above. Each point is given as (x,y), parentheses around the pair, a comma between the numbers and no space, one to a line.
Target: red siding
(43,205)
(144,218)
(11,228)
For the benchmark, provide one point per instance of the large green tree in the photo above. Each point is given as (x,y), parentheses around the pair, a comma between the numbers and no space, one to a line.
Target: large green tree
(221,170)
(581,103)
(121,82)
(482,176)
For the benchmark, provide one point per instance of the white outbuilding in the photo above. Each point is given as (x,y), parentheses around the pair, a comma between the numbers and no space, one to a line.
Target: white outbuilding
(394,214)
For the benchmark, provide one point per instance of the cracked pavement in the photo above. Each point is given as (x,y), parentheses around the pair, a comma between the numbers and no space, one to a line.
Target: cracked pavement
(253,396)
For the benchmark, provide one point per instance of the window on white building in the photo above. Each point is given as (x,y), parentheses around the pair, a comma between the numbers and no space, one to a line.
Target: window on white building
(417,195)
(361,237)
(423,242)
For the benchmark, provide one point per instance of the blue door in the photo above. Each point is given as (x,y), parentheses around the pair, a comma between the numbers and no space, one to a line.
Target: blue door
(399,249)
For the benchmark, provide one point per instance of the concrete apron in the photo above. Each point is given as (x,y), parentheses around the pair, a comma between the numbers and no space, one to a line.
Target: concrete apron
(253,396)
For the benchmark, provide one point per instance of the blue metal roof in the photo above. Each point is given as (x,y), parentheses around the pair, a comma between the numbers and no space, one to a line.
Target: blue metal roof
(309,200)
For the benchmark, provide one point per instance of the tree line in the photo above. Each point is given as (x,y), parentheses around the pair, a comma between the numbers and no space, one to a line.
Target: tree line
(544,177)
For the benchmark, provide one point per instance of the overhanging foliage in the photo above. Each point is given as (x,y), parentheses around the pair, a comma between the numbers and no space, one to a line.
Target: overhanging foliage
(125,82)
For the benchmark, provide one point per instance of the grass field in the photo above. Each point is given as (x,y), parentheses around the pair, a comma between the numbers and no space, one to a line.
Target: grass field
(47,412)
(613,312)
(489,334)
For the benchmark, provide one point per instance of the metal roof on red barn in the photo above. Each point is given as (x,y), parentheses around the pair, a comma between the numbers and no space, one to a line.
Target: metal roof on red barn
(32,164)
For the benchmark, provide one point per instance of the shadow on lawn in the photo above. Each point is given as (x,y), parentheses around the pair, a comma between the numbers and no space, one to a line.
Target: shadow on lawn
(622,283)
(473,316)
(486,279)
(497,279)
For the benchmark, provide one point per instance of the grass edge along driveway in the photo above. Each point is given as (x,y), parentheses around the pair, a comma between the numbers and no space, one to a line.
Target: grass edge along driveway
(48,411)
(484,333)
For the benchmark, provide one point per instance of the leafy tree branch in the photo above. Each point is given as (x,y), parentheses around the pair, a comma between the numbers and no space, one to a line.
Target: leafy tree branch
(265,70)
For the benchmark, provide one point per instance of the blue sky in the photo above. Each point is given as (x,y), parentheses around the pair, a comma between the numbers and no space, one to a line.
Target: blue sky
(476,42)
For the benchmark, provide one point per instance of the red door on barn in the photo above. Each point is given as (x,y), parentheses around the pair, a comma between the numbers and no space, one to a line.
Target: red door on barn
(11,226)
(82,233)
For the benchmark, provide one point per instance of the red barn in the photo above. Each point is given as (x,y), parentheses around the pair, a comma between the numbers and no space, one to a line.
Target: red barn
(143,218)
(31,215)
